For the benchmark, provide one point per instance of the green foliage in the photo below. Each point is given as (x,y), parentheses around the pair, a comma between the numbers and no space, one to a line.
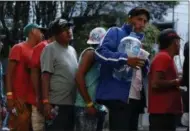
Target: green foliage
(14,15)
(151,34)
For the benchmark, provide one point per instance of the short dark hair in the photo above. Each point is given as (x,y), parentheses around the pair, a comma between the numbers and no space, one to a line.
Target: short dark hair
(167,37)
(59,25)
(166,44)
(139,11)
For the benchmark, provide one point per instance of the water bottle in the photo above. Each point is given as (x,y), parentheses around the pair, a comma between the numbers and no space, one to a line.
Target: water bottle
(130,46)
(53,115)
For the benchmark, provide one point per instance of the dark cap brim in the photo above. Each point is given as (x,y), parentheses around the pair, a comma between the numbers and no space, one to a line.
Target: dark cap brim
(69,24)
(43,29)
(178,37)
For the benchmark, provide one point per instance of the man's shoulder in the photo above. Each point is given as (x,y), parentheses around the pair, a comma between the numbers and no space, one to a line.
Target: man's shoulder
(162,55)
(21,44)
(51,45)
(116,33)
(18,46)
(41,45)
(115,29)
(71,48)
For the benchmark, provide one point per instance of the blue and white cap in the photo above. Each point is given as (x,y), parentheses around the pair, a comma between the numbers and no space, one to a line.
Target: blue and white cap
(96,35)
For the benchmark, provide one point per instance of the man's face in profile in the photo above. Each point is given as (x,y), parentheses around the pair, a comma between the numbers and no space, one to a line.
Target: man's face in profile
(139,22)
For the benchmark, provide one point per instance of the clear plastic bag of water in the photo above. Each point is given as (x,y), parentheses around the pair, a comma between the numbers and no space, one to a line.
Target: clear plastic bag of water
(131,46)
(54,113)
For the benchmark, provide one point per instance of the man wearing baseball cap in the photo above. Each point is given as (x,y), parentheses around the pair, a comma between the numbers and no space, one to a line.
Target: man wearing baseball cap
(28,28)
(87,78)
(164,97)
(38,121)
(19,89)
(112,92)
(58,66)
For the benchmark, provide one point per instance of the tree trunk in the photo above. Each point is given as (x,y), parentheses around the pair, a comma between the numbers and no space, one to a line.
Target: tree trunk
(2,17)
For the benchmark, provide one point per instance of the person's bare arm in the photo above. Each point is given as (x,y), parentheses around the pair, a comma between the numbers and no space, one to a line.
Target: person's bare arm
(10,71)
(46,76)
(86,63)
(159,82)
(35,77)
(9,78)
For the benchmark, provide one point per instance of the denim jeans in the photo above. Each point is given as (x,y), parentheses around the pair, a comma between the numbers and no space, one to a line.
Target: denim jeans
(5,121)
(85,122)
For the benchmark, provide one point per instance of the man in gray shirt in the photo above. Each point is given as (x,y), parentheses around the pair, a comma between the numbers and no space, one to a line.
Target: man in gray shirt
(59,65)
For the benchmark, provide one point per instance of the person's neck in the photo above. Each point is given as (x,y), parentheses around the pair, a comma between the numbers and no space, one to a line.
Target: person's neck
(170,52)
(51,39)
(31,42)
(130,25)
(64,44)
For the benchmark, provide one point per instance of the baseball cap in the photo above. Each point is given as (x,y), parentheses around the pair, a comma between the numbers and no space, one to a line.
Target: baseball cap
(59,25)
(96,35)
(168,35)
(49,31)
(139,11)
(31,26)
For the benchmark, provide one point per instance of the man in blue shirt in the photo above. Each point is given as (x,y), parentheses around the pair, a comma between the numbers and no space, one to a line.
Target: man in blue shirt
(112,92)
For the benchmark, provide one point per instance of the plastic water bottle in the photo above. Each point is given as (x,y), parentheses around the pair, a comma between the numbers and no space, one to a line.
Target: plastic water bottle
(53,115)
(130,46)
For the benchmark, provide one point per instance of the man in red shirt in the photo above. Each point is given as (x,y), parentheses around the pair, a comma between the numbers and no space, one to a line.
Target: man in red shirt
(38,119)
(164,97)
(19,91)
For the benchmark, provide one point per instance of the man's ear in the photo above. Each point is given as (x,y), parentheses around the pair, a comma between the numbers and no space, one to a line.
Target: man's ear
(31,32)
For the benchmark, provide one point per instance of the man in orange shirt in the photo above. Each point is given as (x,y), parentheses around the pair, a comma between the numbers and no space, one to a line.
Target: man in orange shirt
(38,119)
(18,79)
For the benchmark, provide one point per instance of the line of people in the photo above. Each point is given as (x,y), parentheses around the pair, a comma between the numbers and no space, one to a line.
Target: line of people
(49,89)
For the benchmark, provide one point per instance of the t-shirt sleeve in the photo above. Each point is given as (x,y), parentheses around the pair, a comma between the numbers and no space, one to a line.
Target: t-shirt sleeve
(35,59)
(47,60)
(162,62)
(15,53)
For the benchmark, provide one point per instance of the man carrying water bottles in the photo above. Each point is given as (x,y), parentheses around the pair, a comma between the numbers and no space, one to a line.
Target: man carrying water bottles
(112,92)
(58,66)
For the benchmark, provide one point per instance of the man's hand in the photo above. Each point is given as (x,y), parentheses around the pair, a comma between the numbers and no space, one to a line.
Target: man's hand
(10,104)
(47,110)
(39,105)
(91,110)
(178,82)
(135,62)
